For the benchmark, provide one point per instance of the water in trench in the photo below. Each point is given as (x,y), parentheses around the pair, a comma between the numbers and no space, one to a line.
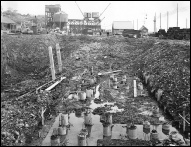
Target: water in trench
(100,131)
(118,131)
(96,130)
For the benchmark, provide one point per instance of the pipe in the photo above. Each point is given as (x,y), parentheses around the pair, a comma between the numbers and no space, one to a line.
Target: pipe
(56,83)
(82,140)
(88,118)
(63,119)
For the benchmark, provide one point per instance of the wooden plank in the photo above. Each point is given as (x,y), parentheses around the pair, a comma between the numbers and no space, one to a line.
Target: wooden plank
(51,63)
(109,72)
(56,83)
(47,83)
(25,94)
(135,88)
(59,57)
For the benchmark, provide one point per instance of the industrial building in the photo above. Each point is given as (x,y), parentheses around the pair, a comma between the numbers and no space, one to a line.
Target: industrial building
(119,26)
(60,19)
(54,18)
(77,26)
(50,10)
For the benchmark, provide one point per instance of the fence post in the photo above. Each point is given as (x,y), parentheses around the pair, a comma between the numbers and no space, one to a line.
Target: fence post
(135,88)
(59,57)
(51,63)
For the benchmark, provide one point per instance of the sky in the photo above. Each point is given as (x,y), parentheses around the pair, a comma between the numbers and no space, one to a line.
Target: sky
(143,11)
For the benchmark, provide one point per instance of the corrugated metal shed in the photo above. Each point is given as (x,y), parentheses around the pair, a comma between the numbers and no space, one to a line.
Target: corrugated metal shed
(7,20)
(122,25)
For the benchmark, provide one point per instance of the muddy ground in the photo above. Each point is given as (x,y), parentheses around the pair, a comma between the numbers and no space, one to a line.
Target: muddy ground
(25,66)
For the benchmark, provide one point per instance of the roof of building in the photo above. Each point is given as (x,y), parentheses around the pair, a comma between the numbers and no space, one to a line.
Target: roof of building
(7,20)
(122,25)
(60,12)
(51,6)
(143,27)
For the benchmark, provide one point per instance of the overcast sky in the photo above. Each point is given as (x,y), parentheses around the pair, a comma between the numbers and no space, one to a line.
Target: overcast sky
(117,11)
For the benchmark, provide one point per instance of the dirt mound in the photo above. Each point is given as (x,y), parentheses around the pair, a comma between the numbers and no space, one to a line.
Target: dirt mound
(29,53)
(168,64)
(26,53)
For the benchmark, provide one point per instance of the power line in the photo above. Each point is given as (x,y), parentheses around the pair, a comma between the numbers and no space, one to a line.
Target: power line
(177,15)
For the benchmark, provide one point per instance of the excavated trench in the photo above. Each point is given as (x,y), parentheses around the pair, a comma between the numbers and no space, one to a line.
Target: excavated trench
(99,133)
(136,110)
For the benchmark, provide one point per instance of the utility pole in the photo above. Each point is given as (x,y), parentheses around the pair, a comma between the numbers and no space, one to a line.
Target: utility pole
(160,20)
(167,21)
(155,23)
(137,24)
(177,15)
(60,21)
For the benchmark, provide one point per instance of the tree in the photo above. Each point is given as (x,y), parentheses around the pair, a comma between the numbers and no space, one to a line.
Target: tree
(10,9)
(14,11)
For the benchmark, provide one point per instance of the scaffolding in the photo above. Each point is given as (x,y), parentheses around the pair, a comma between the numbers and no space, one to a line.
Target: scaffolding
(76,26)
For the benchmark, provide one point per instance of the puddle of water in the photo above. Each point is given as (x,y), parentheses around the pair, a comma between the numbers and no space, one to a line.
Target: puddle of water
(78,124)
(118,132)
(96,130)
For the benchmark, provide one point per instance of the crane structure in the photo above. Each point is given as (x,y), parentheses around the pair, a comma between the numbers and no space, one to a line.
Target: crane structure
(76,26)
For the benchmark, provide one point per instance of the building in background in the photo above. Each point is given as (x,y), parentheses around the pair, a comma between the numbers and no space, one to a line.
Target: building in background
(119,26)
(77,26)
(50,10)
(7,24)
(60,20)
(55,18)
(144,31)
